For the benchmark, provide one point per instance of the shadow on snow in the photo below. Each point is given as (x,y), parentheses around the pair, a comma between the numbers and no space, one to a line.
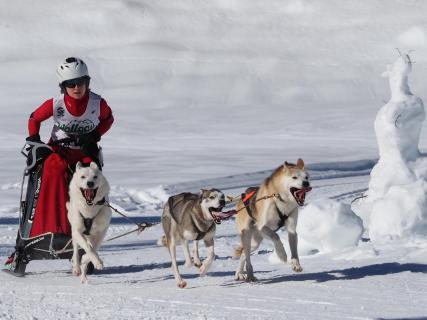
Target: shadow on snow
(153,266)
(114,220)
(352,273)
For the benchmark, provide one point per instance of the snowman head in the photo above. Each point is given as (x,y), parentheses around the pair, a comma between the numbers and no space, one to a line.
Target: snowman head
(400,68)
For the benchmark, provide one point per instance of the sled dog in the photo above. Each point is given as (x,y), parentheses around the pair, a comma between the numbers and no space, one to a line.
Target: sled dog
(188,216)
(265,209)
(88,215)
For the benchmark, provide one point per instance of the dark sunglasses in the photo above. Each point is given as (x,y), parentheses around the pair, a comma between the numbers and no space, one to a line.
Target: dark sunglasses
(74,82)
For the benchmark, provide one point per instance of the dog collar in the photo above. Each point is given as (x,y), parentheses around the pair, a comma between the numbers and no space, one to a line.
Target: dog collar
(99,203)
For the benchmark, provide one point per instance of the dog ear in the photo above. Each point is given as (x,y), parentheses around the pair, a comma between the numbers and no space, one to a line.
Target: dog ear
(94,166)
(288,165)
(300,164)
(78,165)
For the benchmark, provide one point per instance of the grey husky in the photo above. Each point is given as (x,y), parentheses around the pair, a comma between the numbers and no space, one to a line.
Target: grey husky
(188,216)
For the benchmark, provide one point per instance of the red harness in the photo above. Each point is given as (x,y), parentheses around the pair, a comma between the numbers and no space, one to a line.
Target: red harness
(249,196)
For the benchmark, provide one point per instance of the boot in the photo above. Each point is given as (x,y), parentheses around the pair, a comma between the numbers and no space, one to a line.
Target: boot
(15,264)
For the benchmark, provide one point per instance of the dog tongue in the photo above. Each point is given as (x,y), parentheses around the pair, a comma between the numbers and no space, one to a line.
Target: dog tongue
(224,214)
(89,194)
(301,193)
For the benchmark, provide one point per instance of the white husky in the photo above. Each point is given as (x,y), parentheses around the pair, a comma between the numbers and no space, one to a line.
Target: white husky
(88,215)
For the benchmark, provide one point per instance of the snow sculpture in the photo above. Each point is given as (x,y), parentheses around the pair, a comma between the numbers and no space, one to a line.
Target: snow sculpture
(396,203)
(398,127)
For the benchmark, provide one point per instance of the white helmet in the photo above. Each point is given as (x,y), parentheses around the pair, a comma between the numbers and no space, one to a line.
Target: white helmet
(71,68)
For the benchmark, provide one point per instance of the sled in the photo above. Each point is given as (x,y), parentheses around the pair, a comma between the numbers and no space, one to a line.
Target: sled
(40,247)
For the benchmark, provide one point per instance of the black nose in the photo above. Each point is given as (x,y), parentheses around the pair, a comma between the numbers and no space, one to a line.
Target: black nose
(90,184)
(305,184)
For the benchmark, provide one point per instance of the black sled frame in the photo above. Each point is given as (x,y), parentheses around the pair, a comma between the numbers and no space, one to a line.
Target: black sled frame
(44,246)
(49,245)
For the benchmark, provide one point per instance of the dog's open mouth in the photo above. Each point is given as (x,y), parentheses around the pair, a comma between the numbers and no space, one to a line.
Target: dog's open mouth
(299,194)
(218,215)
(213,210)
(89,195)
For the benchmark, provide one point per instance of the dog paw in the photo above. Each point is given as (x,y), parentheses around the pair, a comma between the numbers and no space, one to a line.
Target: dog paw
(182,284)
(76,271)
(99,265)
(239,277)
(296,267)
(244,277)
(251,279)
(83,280)
(197,263)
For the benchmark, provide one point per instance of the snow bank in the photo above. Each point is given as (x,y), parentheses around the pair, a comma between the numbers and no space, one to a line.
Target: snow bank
(152,199)
(139,202)
(396,204)
(327,226)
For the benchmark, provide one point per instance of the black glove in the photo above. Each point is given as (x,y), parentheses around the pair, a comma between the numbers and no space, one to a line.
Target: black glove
(34,138)
(89,138)
(41,152)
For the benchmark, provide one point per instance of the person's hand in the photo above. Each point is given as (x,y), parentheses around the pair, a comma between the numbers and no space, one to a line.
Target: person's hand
(34,138)
(88,144)
(91,150)
(41,152)
(89,138)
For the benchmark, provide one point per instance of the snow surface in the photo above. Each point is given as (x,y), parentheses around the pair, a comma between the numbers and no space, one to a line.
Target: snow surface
(218,93)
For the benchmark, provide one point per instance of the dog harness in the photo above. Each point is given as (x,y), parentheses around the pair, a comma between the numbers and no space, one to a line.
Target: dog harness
(201,234)
(89,221)
(188,196)
(282,216)
(249,200)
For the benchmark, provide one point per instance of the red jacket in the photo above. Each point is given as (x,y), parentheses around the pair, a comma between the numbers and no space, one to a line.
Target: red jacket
(76,108)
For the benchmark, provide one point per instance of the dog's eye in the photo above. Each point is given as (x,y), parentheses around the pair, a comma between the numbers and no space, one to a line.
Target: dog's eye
(83,177)
(212,197)
(294,178)
(95,177)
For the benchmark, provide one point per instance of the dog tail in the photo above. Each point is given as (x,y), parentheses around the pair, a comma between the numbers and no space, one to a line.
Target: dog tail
(162,241)
(238,252)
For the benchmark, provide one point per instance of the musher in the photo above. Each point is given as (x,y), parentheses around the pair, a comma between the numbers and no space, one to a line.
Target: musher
(80,118)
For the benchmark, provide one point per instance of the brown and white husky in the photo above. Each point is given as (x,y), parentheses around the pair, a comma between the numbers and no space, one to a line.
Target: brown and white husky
(271,205)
